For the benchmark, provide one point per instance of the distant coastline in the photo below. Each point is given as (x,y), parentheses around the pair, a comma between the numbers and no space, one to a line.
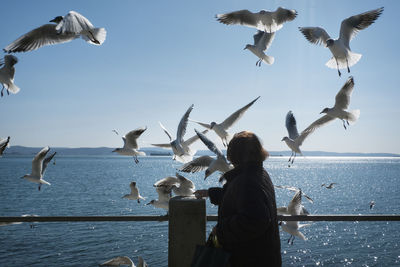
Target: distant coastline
(107,151)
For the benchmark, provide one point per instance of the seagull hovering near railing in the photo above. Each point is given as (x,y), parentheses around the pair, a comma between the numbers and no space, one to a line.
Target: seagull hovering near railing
(134,195)
(343,57)
(131,147)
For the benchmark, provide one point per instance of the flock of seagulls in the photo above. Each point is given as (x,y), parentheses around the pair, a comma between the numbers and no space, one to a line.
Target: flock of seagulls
(74,25)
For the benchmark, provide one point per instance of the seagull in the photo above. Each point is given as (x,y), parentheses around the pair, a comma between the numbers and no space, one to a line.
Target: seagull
(131,147)
(180,147)
(371,204)
(3,144)
(7,74)
(180,185)
(66,28)
(164,195)
(264,20)
(342,55)
(294,141)
(134,195)
(295,189)
(39,164)
(262,41)
(211,165)
(124,260)
(292,227)
(330,186)
(222,128)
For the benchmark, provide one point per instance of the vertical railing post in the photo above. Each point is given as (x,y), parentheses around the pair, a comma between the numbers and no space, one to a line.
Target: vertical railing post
(186,229)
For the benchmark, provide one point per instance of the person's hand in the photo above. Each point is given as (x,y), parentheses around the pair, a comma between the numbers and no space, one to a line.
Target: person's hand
(201,193)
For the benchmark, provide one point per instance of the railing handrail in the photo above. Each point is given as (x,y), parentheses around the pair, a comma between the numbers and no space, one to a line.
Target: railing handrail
(127,218)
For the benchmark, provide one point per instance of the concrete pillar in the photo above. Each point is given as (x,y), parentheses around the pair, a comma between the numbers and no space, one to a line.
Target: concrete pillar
(186,229)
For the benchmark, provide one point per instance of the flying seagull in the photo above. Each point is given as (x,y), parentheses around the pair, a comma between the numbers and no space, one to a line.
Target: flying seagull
(7,74)
(180,147)
(328,186)
(180,185)
(222,128)
(131,147)
(208,163)
(134,195)
(262,41)
(66,28)
(295,189)
(342,55)
(294,141)
(266,21)
(164,195)
(124,260)
(292,227)
(39,164)
(3,144)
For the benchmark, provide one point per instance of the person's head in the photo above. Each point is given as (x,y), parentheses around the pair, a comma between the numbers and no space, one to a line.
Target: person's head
(244,148)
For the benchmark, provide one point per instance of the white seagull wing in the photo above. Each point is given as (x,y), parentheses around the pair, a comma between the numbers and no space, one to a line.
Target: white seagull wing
(242,17)
(183,124)
(185,181)
(313,126)
(132,136)
(165,131)
(282,15)
(41,36)
(38,160)
(315,35)
(74,22)
(291,125)
(342,99)
(263,40)
(294,207)
(234,117)
(197,165)
(46,162)
(352,25)
(193,139)
(211,146)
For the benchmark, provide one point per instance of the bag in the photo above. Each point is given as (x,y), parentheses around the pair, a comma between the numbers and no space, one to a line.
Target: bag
(209,256)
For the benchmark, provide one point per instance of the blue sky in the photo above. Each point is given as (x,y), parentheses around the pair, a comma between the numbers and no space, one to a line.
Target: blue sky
(162,56)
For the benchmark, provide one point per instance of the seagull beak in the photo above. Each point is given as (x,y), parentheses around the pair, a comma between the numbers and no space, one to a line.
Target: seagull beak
(53,20)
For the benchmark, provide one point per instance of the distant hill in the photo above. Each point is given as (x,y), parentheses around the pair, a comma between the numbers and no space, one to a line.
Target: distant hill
(102,151)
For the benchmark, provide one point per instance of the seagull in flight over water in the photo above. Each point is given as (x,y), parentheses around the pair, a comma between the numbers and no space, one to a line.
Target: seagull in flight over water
(266,21)
(134,195)
(262,41)
(124,260)
(211,165)
(221,128)
(180,185)
(342,55)
(7,74)
(180,147)
(66,28)
(330,186)
(39,164)
(292,227)
(131,147)
(294,141)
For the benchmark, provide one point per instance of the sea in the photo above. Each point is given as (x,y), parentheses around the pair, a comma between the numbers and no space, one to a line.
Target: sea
(94,185)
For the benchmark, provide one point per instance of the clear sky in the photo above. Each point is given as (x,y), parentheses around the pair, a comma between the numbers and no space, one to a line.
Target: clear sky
(162,56)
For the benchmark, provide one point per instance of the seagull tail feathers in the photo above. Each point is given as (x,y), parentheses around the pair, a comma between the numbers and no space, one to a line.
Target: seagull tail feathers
(13,88)
(268,59)
(354,115)
(352,59)
(99,34)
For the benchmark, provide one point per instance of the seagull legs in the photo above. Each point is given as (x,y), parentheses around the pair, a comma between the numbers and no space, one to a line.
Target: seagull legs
(344,124)
(348,69)
(39,186)
(135,159)
(2,91)
(290,240)
(258,63)
(337,65)
(291,159)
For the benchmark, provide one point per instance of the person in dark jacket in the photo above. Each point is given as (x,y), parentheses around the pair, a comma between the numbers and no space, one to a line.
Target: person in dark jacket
(247,218)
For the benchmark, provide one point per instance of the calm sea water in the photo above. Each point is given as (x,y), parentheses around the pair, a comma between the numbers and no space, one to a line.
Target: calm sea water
(95,185)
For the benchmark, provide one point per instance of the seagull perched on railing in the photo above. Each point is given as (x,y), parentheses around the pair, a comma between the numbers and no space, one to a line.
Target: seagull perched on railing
(4,143)
(342,55)
(134,195)
(267,21)
(180,147)
(211,165)
(292,227)
(124,260)
(7,74)
(131,147)
(262,41)
(221,128)
(66,28)
(39,164)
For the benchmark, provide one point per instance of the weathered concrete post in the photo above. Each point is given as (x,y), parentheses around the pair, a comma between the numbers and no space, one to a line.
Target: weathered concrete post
(186,229)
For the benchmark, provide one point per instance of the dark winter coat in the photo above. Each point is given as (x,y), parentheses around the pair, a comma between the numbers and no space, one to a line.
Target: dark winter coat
(247,218)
